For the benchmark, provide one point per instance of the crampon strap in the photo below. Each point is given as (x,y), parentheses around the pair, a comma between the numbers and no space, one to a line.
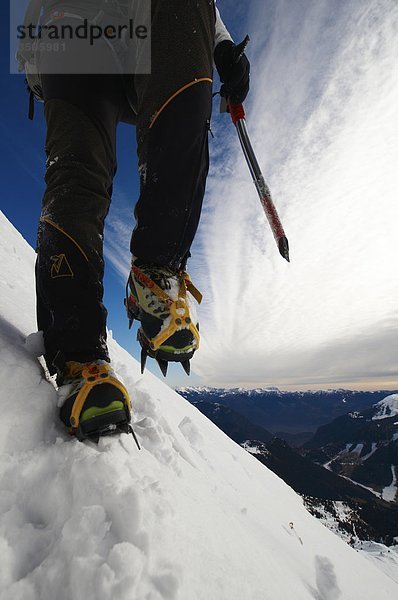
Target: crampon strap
(94,375)
(179,311)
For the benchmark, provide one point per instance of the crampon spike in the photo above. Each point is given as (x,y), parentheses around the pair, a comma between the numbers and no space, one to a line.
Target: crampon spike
(131,321)
(116,429)
(131,430)
(163,364)
(186,365)
(144,356)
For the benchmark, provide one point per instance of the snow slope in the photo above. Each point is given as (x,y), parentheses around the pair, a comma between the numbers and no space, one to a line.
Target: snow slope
(192,516)
(387,408)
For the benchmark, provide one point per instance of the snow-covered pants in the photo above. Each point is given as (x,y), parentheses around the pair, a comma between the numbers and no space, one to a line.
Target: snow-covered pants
(172,109)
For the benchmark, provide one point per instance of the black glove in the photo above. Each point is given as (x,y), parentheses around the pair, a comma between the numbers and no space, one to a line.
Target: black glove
(234,74)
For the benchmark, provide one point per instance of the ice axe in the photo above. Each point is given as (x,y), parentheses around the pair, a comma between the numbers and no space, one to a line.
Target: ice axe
(238,116)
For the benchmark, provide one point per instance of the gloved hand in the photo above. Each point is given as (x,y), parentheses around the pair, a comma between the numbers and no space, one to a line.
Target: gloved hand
(234,74)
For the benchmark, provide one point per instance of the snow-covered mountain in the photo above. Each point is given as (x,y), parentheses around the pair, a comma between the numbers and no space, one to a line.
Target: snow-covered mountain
(287,414)
(386,408)
(191,516)
(362,446)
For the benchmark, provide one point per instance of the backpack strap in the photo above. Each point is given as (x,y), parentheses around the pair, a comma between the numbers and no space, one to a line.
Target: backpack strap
(32,16)
(31,111)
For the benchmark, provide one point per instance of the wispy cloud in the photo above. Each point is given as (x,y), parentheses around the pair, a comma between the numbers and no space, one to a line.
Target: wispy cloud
(118,228)
(324,120)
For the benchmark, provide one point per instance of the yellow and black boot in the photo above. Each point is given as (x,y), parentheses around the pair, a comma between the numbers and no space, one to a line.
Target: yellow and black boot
(163,301)
(95,402)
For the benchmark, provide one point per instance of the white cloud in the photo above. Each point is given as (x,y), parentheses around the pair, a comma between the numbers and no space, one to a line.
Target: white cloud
(324,121)
(118,228)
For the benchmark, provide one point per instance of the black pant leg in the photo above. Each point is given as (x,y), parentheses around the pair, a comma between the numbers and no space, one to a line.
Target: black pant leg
(81,114)
(174,109)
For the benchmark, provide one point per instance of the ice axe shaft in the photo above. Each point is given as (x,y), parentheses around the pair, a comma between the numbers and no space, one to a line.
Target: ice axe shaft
(238,116)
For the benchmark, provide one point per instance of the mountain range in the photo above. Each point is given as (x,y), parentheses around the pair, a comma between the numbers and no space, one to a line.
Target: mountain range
(293,416)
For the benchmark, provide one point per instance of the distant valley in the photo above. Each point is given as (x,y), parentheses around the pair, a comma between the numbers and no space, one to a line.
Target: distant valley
(338,449)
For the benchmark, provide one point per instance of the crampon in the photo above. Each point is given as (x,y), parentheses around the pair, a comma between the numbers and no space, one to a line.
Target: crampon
(96,403)
(161,300)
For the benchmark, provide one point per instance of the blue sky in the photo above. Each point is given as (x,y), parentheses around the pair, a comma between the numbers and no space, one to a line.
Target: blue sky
(322,113)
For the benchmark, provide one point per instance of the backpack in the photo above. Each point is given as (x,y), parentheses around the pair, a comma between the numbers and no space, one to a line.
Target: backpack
(93,10)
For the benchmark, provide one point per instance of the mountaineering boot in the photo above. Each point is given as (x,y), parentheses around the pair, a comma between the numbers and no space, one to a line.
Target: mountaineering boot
(162,300)
(95,402)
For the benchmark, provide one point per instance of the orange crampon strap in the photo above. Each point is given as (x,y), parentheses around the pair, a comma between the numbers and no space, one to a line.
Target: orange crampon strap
(179,312)
(94,375)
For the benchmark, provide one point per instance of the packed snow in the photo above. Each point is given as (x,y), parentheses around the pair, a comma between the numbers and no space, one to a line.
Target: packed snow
(389,493)
(370,453)
(387,408)
(192,516)
(357,450)
(383,557)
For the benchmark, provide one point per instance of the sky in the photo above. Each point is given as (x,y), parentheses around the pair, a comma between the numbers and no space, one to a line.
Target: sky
(323,118)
